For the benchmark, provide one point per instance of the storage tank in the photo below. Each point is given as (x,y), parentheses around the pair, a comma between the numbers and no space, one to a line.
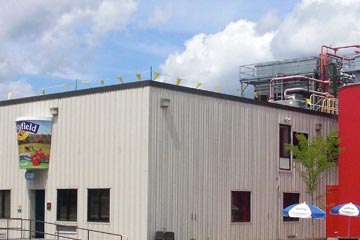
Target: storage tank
(349,133)
(349,162)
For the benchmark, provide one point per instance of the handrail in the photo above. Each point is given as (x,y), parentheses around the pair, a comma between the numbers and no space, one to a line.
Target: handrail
(102,232)
(57,234)
(323,104)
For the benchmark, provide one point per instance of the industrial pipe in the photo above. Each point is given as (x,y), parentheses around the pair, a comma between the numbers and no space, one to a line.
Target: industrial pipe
(294,77)
(325,94)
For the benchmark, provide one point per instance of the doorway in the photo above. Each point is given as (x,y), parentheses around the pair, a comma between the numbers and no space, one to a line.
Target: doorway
(39,213)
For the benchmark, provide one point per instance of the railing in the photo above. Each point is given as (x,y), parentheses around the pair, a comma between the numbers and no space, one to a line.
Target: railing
(323,104)
(22,230)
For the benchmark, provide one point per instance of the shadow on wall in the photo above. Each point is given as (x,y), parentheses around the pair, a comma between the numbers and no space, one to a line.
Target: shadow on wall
(170,125)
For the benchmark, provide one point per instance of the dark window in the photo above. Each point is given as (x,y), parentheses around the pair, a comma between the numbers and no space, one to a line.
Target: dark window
(295,140)
(289,199)
(4,203)
(67,204)
(99,205)
(240,206)
(284,139)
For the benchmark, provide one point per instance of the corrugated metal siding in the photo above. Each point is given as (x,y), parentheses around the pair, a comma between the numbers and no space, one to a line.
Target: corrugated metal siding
(202,148)
(99,141)
(175,171)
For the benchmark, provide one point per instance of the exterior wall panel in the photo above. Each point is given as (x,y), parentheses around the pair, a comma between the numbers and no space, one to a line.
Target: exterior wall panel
(169,169)
(202,148)
(98,141)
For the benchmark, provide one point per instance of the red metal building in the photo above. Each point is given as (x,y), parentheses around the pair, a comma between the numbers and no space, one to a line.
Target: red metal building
(349,165)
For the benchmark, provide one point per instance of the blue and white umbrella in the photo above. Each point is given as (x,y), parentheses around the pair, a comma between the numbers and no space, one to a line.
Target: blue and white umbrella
(303,210)
(346,209)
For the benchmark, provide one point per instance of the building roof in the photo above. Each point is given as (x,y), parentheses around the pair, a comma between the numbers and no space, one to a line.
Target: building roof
(149,83)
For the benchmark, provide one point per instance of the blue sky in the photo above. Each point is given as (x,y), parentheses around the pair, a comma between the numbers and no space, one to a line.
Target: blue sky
(51,44)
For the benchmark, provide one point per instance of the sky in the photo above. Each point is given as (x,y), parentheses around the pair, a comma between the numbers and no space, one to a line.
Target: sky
(57,46)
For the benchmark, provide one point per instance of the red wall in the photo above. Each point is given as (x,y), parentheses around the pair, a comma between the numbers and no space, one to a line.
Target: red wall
(332,193)
(349,163)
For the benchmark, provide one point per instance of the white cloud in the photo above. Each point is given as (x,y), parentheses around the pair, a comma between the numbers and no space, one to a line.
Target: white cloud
(159,16)
(112,15)
(56,38)
(314,23)
(59,38)
(15,89)
(214,59)
(269,22)
(188,16)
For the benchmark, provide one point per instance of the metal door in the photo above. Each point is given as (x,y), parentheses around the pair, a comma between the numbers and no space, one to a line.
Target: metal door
(39,213)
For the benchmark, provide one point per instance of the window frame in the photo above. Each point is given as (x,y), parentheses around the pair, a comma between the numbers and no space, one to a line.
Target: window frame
(69,202)
(283,154)
(241,215)
(5,203)
(289,202)
(101,195)
(295,142)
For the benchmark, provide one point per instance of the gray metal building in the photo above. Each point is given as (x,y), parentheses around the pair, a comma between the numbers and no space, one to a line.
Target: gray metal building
(170,159)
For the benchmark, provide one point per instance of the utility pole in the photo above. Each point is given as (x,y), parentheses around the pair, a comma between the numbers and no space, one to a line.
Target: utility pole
(151,73)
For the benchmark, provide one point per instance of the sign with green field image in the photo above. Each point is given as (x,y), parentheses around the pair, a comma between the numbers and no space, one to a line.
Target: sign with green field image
(34,142)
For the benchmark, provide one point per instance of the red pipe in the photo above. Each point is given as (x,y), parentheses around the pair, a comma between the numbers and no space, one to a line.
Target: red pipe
(301,77)
(324,55)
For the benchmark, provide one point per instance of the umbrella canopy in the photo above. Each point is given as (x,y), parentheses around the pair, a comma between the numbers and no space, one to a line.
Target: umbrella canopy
(347,209)
(304,210)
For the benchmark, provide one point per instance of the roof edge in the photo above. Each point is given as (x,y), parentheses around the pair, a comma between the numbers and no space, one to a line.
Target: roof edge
(150,83)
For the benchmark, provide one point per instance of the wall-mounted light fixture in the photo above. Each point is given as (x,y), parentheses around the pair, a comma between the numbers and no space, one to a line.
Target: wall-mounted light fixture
(164,102)
(287,119)
(54,111)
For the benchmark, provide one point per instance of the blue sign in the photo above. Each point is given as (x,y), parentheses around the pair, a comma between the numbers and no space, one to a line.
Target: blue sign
(30,175)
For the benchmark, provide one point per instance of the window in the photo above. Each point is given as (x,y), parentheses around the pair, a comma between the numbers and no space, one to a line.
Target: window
(295,140)
(99,205)
(66,205)
(289,199)
(4,203)
(240,206)
(285,138)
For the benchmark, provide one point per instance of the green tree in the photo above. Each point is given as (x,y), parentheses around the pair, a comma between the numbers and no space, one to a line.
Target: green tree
(315,157)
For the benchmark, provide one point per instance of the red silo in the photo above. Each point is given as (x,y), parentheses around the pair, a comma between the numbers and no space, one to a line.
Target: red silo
(348,189)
